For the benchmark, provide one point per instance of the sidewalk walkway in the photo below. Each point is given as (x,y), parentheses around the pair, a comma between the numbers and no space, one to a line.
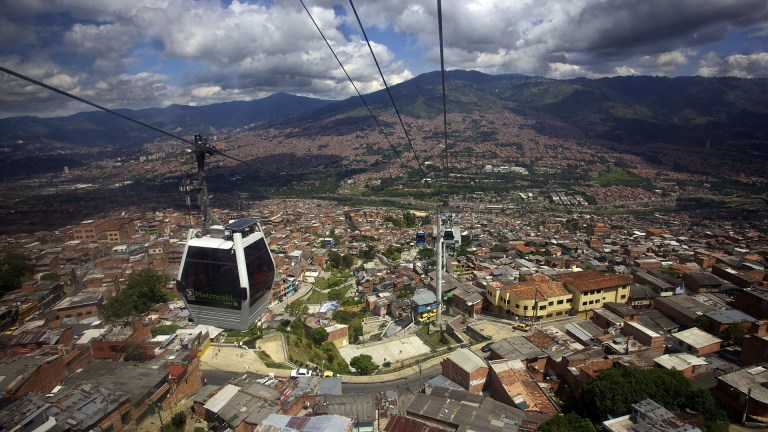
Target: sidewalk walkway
(233,359)
(304,289)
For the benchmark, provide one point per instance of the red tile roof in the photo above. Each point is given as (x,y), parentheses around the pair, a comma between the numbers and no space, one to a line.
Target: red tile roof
(589,280)
(545,290)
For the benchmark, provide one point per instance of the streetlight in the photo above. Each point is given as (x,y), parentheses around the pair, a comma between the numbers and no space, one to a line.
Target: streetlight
(746,407)
(154,406)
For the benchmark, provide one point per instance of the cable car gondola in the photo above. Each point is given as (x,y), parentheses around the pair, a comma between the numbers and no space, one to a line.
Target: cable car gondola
(226,276)
(421,238)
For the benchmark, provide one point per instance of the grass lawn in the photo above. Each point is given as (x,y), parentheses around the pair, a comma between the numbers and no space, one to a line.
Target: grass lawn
(436,340)
(620,177)
(268,362)
(302,350)
(333,281)
(316,297)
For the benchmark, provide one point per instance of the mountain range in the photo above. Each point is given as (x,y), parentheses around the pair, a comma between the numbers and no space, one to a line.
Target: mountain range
(633,110)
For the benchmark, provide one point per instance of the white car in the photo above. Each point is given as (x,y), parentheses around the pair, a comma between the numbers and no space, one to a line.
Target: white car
(301,372)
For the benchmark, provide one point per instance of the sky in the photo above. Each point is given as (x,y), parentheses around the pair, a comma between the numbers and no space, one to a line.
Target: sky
(154,53)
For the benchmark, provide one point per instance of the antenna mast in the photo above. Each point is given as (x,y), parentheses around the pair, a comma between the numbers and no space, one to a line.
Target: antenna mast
(203,148)
(186,187)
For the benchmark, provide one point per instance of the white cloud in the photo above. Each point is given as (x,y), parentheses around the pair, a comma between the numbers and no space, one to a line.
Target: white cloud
(738,65)
(663,63)
(208,50)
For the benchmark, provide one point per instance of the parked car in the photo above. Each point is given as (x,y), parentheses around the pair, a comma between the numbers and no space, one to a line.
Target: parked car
(522,326)
(301,372)
(486,347)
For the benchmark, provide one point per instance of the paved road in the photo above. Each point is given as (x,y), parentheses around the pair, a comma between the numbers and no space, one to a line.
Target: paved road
(219,377)
(411,383)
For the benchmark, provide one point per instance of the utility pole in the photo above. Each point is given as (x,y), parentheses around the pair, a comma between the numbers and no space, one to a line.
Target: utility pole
(535,306)
(439,267)
(421,381)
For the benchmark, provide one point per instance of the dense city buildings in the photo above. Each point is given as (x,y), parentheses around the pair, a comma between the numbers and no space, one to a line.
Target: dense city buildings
(529,309)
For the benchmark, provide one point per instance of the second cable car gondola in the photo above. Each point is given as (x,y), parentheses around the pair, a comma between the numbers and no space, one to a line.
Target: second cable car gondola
(421,238)
(226,276)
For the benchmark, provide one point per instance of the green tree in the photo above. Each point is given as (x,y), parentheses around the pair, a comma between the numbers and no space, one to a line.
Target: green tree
(498,247)
(701,322)
(342,316)
(179,420)
(393,253)
(334,259)
(426,220)
(367,253)
(702,402)
(736,333)
(398,222)
(464,247)
(409,219)
(615,389)
(13,270)
(337,294)
(318,335)
(144,289)
(297,328)
(347,261)
(334,236)
(49,277)
(425,253)
(364,364)
(297,309)
(570,422)
(357,331)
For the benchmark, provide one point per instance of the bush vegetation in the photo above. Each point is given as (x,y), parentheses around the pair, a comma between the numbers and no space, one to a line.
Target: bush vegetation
(144,289)
(614,391)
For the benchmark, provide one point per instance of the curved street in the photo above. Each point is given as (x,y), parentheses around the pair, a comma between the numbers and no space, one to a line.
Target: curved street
(221,360)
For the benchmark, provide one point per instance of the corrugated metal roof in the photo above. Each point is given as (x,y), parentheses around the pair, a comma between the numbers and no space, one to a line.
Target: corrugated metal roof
(696,338)
(423,297)
(467,360)
(679,361)
(517,347)
(730,316)
(221,398)
(405,424)
(323,423)
(361,407)
(466,411)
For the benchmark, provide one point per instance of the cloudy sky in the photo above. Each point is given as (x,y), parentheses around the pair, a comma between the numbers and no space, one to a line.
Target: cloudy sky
(142,53)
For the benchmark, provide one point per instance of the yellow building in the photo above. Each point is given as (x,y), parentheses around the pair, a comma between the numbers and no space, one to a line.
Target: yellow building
(114,230)
(539,298)
(591,288)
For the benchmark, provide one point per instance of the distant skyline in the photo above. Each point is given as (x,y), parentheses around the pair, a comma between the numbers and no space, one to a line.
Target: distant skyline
(153,53)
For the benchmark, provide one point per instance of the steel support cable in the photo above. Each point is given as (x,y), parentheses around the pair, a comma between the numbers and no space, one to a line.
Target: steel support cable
(105,109)
(392,99)
(392,146)
(130,119)
(442,76)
